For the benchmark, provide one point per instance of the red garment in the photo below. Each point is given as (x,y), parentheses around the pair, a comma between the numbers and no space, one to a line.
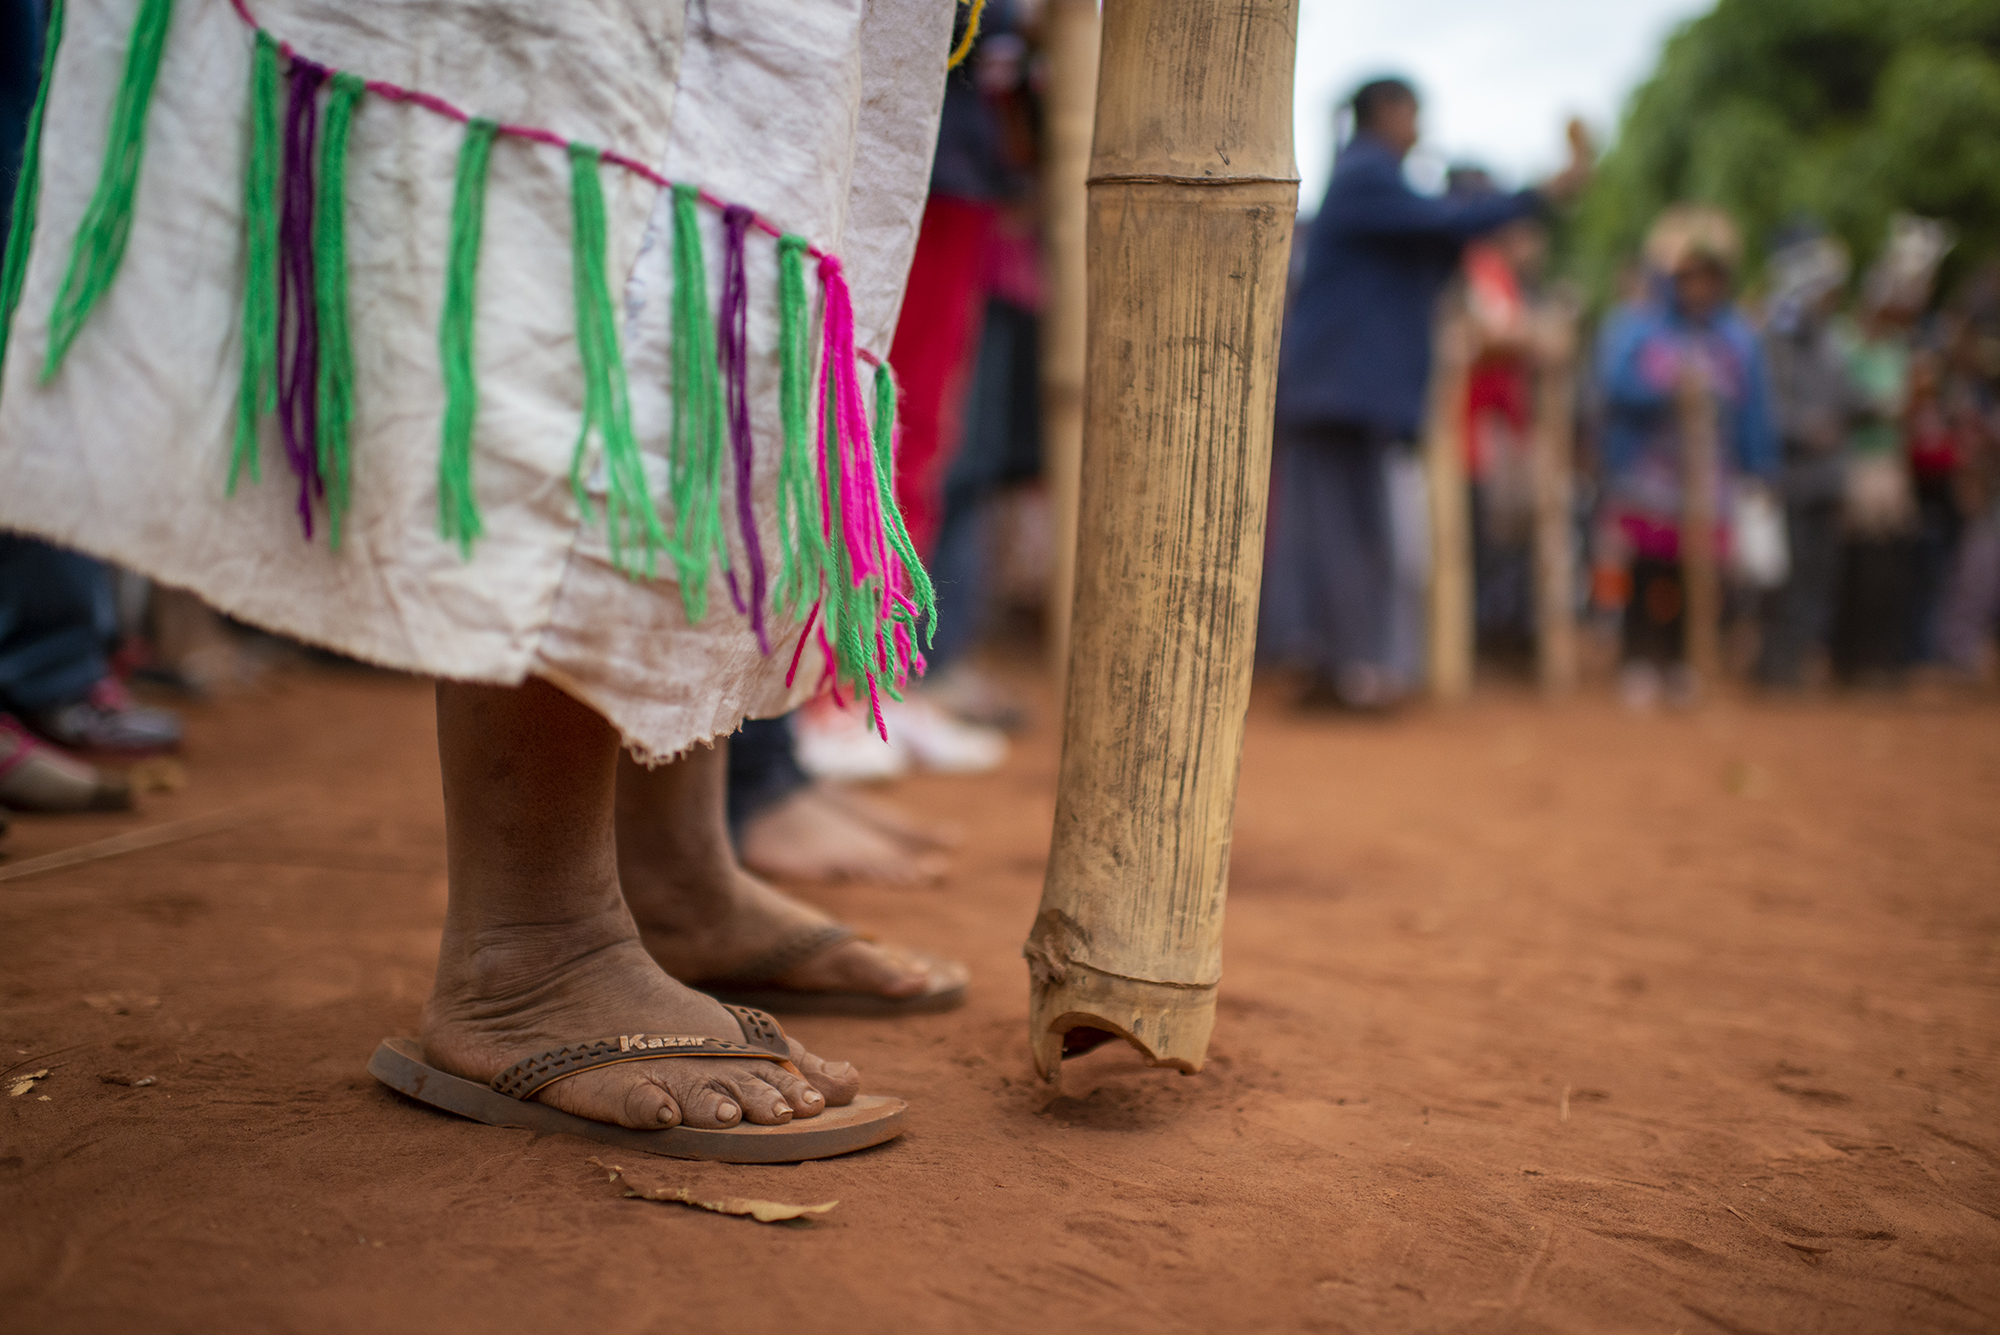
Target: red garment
(937,342)
(1498,388)
(1496,391)
(1933,444)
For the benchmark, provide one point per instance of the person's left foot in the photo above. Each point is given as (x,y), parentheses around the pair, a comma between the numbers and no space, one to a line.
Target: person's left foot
(108,720)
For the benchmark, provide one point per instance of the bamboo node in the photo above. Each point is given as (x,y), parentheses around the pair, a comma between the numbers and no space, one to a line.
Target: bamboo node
(1052,946)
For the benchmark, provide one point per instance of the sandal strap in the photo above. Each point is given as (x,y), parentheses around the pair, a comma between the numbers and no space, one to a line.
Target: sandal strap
(762,1040)
(788,955)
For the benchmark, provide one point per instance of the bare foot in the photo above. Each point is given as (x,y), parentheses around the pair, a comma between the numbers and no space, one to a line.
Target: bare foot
(888,818)
(809,837)
(513,992)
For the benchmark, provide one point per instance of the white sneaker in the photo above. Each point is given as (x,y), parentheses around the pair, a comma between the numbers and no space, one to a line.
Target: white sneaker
(835,743)
(940,743)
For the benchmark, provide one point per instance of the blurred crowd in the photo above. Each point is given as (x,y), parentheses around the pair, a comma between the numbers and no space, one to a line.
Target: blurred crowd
(1854,428)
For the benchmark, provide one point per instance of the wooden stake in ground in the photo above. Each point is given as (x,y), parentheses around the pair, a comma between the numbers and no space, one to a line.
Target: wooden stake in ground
(1701,576)
(1554,466)
(1191,198)
(1449,653)
(1070,30)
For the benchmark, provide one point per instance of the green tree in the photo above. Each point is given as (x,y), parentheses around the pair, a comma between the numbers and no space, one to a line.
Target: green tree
(1846,110)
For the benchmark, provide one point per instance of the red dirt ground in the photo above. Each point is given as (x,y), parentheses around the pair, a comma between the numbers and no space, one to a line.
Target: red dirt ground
(1535,1019)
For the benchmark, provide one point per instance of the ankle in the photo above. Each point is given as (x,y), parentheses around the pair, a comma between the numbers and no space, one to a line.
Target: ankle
(673,875)
(482,964)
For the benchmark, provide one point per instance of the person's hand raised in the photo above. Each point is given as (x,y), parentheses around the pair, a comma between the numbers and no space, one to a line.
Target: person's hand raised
(1570,181)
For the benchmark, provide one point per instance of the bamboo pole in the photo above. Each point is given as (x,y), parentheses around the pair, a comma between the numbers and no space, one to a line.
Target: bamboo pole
(1191,197)
(1554,444)
(1070,110)
(1700,577)
(1451,641)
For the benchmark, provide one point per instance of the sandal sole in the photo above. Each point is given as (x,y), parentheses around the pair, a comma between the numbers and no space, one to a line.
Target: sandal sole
(870,1120)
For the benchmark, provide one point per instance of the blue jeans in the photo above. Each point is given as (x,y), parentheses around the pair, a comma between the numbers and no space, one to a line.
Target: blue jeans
(57,620)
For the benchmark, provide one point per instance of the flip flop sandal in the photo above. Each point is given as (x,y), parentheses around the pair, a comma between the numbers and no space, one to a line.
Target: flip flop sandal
(869,1120)
(756,986)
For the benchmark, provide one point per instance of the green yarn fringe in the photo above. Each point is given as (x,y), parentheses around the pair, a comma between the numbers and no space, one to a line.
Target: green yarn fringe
(922,592)
(107,223)
(458,507)
(804,558)
(28,186)
(695,482)
(336,350)
(630,519)
(256,394)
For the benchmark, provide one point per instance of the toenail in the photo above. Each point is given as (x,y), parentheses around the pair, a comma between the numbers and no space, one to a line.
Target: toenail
(724,1111)
(666,1114)
(810,1096)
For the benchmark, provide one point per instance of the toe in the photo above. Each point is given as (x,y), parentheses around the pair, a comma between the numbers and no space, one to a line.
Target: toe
(764,1104)
(712,1105)
(650,1106)
(837,1082)
(798,1093)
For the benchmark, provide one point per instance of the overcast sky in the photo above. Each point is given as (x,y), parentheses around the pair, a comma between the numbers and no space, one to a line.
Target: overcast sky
(1498,77)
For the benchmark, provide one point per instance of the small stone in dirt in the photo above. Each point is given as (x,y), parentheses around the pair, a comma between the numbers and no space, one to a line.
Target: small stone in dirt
(121,1003)
(24,1083)
(130,1081)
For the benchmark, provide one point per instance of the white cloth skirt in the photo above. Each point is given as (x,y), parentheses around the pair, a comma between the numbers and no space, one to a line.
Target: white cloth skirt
(819,114)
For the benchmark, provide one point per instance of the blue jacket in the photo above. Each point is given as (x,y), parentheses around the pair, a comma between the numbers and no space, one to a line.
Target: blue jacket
(1357,346)
(1639,355)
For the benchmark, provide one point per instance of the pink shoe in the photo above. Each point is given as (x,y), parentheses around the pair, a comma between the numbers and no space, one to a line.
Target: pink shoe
(34,776)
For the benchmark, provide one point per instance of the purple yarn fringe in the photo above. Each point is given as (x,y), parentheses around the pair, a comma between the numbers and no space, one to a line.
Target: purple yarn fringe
(298,314)
(733,321)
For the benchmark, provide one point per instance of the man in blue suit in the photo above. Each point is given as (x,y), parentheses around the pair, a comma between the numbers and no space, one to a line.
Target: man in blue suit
(1352,379)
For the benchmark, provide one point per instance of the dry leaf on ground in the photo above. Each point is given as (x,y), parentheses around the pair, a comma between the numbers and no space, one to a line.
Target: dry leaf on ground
(764,1212)
(24,1083)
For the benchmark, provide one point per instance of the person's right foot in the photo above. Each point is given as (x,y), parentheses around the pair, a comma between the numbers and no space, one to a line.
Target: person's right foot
(808,837)
(526,990)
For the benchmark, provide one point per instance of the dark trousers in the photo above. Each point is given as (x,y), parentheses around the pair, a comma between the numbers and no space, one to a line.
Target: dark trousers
(763,769)
(1503,582)
(1002,444)
(1329,570)
(1871,628)
(1799,615)
(57,622)
(1655,629)
(20,73)
(1940,526)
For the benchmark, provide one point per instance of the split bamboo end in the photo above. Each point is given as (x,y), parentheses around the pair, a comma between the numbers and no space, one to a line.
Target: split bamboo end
(1167,1023)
